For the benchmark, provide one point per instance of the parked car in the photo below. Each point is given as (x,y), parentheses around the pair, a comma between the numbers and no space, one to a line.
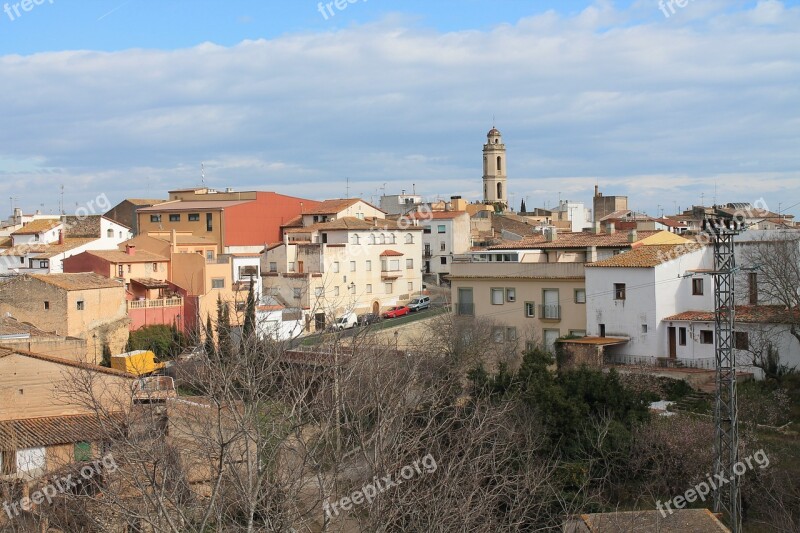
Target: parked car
(396,311)
(345,322)
(368,318)
(417,304)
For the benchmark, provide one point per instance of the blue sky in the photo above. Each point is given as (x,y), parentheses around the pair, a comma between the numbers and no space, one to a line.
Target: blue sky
(127,99)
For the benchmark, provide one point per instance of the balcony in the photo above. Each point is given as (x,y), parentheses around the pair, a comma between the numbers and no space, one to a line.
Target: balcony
(391,274)
(465,309)
(550,312)
(156,303)
(464,267)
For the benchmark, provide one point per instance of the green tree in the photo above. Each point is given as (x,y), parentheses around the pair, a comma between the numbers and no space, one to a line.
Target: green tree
(106,360)
(249,327)
(209,341)
(224,343)
(522,207)
(162,340)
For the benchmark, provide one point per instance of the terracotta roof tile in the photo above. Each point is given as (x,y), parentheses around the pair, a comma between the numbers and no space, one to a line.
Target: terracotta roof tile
(352,223)
(52,430)
(437,215)
(78,281)
(5,352)
(391,253)
(746,314)
(647,256)
(332,207)
(118,256)
(574,240)
(37,226)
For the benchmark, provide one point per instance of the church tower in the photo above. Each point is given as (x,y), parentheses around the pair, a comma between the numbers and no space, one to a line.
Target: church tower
(494,169)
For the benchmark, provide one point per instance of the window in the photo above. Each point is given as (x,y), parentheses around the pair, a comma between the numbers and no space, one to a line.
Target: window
(442,246)
(83,451)
(369,288)
(409,264)
(441,228)
(752,280)
(369,265)
(511,295)
(218,283)
(644,328)
(387,287)
(499,163)
(335,266)
(80,305)
(110,233)
(318,292)
(740,340)
(371,238)
(209,255)
(394,265)
(697,286)
(209,222)
(706,336)
(44,263)
(356,239)
(530,309)
(577,333)
(296,293)
(443,260)
(352,288)
(682,336)
(426,230)
(176,217)
(409,238)
(602,328)
(194,217)
(119,271)
(511,334)
(580,296)
(273,266)
(352,266)
(410,286)
(36,237)
(619,291)
(46,305)
(498,333)
(155,218)
(291,266)
(129,269)
(336,291)
(497,297)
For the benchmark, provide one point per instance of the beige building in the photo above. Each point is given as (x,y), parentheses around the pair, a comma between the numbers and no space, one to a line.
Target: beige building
(85,305)
(534,289)
(445,234)
(345,264)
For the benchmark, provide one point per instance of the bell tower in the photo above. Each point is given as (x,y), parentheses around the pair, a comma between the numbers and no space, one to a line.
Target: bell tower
(494,169)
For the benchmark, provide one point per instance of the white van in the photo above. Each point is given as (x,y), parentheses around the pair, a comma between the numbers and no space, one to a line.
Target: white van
(345,322)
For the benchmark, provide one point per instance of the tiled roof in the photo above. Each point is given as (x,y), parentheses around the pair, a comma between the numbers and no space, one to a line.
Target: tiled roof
(746,314)
(180,239)
(144,201)
(677,521)
(647,256)
(180,205)
(88,226)
(671,223)
(118,256)
(352,223)
(78,281)
(51,430)
(37,226)
(573,240)
(5,242)
(437,215)
(295,222)
(150,283)
(332,207)
(52,250)
(12,326)
(391,253)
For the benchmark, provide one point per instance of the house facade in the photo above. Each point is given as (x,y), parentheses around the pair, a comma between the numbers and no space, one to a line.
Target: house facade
(445,234)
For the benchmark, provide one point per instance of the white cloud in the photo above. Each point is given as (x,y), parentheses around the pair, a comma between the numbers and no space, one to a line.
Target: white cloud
(651,107)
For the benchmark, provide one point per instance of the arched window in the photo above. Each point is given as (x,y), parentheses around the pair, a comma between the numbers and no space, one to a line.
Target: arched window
(409,238)
(372,238)
(356,239)
(393,238)
(485,165)
(382,239)
(499,164)
(499,191)
(110,233)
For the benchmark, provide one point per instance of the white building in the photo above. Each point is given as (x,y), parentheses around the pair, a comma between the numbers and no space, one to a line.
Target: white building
(40,246)
(344,263)
(278,322)
(445,234)
(575,212)
(631,296)
(400,204)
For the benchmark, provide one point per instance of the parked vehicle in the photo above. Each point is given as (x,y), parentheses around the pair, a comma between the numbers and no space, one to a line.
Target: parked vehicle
(137,362)
(417,304)
(345,322)
(397,311)
(368,318)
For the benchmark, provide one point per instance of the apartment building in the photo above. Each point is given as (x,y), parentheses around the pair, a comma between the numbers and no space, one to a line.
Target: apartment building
(534,289)
(445,234)
(345,264)
(238,221)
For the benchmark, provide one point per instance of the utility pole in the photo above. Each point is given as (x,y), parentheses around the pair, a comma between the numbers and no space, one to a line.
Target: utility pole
(727,499)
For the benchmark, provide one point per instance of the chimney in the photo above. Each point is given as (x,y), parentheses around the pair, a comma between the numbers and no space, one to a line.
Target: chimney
(61,236)
(611,228)
(632,235)
(551,234)
(130,249)
(592,254)
(596,228)
(596,190)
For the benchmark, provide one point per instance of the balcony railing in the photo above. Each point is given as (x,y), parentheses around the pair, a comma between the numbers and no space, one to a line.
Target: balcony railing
(550,312)
(159,302)
(705,363)
(465,309)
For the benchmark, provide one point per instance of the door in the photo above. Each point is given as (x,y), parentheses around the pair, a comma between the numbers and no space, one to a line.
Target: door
(427,267)
(465,303)
(376,308)
(673,345)
(319,321)
(550,337)
(299,267)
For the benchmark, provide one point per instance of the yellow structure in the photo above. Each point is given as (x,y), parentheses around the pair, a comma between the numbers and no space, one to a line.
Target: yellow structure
(137,362)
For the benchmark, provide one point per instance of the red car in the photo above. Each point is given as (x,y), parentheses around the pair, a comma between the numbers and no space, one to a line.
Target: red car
(397,311)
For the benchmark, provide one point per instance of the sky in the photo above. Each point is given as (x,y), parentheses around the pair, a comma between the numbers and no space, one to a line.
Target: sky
(669,105)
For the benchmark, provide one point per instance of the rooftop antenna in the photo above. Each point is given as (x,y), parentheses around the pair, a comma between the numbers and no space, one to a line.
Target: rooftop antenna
(61,202)
(348,187)
(203,174)
(715,192)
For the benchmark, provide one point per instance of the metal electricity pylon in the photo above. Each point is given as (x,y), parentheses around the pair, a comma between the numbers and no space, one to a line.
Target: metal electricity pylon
(727,498)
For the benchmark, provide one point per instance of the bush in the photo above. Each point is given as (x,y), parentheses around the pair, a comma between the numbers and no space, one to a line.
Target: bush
(164,341)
